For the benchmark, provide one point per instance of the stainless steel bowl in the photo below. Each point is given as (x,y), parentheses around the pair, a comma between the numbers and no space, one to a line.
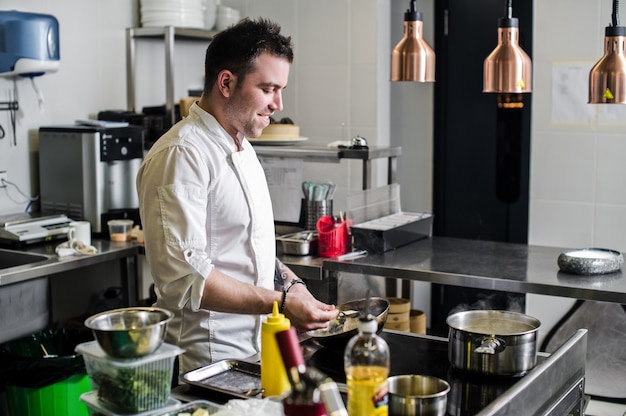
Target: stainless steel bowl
(130,332)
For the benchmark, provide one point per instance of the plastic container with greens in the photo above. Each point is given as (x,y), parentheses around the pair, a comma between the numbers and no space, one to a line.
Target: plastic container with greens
(130,385)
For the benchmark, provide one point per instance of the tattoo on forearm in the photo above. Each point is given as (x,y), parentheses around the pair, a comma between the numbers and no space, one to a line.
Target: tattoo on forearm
(281,273)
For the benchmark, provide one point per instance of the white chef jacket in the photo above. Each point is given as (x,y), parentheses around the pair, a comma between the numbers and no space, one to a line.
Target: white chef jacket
(203,205)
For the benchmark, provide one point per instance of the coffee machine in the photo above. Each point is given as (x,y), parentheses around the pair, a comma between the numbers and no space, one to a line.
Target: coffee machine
(88,172)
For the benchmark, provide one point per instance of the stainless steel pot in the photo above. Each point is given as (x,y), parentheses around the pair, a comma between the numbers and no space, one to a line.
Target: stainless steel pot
(412,395)
(493,342)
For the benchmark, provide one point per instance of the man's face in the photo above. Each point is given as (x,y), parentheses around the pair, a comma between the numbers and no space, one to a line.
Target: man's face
(258,96)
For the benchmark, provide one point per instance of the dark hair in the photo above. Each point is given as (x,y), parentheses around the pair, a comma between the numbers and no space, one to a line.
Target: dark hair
(237,47)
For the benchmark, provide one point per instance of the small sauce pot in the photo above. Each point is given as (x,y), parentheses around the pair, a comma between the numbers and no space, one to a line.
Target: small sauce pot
(412,395)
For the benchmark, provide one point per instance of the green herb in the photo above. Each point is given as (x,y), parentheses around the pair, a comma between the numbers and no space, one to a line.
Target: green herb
(133,390)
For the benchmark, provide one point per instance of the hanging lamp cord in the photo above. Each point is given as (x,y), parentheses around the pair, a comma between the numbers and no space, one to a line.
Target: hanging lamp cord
(615,14)
(508,12)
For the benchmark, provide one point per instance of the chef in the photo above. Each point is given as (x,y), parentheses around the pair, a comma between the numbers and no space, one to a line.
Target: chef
(206,210)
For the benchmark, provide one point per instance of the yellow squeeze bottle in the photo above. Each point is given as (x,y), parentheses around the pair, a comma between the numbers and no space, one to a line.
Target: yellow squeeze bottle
(274,379)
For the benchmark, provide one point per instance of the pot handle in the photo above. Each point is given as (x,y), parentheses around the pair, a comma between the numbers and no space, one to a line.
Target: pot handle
(490,345)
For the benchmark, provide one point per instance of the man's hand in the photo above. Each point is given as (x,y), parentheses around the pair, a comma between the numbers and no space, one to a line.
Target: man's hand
(305,312)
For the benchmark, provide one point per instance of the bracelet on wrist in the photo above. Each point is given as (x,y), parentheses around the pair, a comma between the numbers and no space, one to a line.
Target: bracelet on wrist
(286,289)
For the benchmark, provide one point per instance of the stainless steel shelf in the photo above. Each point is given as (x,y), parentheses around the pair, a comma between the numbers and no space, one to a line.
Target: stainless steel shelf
(170,36)
(324,154)
(179,33)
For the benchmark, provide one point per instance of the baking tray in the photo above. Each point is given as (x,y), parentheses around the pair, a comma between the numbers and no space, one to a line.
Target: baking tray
(235,378)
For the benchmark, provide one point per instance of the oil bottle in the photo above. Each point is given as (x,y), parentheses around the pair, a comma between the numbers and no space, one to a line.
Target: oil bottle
(366,363)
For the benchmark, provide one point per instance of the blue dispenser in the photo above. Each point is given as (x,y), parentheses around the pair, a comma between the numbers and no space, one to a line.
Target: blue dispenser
(29,44)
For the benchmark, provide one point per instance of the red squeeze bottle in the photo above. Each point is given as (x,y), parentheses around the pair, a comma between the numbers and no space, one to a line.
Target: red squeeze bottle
(308,384)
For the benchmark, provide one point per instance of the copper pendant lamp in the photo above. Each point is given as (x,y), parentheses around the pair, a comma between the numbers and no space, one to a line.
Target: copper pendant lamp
(413,59)
(508,68)
(607,79)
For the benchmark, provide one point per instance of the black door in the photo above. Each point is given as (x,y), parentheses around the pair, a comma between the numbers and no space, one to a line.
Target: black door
(481,152)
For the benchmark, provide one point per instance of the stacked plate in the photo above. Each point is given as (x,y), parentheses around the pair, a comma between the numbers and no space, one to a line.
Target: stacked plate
(179,13)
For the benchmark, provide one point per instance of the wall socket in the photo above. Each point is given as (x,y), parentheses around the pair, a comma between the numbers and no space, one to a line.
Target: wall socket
(3,177)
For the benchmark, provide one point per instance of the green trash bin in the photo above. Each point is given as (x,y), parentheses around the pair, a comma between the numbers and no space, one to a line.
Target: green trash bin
(43,375)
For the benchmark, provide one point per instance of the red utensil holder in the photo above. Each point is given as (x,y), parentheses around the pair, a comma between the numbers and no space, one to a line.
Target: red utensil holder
(333,238)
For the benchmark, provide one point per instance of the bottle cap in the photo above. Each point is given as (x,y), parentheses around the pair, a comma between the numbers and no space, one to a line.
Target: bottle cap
(276,317)
(368,325)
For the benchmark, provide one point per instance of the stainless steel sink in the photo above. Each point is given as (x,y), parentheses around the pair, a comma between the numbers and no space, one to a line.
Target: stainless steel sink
(13,258)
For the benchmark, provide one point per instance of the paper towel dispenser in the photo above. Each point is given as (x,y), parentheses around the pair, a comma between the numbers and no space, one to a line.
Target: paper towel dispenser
(29,44)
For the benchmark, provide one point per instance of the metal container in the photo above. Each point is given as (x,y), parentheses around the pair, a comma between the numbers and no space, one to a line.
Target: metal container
(492,342)
(412,395)
(130,332)
(303,243)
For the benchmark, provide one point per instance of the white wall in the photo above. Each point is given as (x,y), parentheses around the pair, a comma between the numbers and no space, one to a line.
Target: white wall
(91,77)
(578,174)
(337,86)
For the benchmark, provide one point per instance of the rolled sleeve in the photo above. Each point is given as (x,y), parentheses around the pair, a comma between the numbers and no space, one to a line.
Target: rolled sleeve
(182,211)
(203,266)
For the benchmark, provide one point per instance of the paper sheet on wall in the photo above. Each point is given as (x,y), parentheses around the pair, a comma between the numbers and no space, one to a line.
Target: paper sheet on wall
(570,96)
(284,178)
(570,93)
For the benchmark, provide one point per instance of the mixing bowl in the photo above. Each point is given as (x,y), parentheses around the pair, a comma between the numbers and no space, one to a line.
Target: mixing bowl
(130,332)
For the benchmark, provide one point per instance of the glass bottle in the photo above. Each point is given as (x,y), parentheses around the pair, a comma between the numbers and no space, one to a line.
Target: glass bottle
(366,363)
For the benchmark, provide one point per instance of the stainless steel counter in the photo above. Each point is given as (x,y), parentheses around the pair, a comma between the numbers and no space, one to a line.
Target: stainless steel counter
(125,253)
(470,263)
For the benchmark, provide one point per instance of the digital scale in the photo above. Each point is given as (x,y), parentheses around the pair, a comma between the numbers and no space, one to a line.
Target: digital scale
(23,228)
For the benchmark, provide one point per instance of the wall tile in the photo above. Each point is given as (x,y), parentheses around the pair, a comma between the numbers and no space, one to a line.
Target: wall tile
(561,224)
(324,30)
(611,171)
(563,167)
(541,99)
(324,95)
(363,97)
(363,32)
(610,226)
(558,32)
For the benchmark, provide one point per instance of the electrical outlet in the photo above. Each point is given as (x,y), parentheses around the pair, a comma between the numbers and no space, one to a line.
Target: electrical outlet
(3,177)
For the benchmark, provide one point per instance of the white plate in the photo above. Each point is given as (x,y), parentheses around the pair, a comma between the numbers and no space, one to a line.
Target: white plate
(278,142)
